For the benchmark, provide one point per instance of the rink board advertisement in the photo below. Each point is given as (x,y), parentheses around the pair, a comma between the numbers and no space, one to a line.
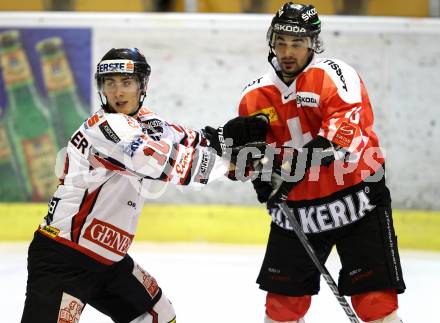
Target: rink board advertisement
(44,96)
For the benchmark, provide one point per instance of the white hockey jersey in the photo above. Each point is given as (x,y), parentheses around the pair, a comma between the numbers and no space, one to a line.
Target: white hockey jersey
(111,162)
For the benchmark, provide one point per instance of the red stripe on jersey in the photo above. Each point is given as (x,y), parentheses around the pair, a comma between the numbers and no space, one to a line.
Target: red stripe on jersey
(166,173)
(177,128)
(160,158)
(154,315)
(184,140)
(79,218)
(66,165)
(144,112)
(196,140)
(186,135)
(184,179)
(191,138)
(108,165)
(65,170)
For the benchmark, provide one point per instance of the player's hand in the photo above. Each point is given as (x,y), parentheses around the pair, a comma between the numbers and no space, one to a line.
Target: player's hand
(263,169)
(283,179)
(244,161)
(237,133)
(245,130)
(280,189)
(263,189)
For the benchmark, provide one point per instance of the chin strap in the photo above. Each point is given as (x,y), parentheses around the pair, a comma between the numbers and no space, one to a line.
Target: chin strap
(141,102)
(107,108)
(137,110)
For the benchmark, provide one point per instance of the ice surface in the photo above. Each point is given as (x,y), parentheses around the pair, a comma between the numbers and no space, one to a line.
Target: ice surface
(216,284)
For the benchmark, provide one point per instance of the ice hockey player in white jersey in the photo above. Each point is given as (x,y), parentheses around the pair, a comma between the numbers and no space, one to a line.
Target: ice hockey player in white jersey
(79,253)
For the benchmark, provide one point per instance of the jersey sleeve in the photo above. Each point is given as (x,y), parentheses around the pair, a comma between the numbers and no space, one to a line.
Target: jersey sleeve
(244,109)
(255,102)
(347,116)
(120,144)
(156,127)
(260,96)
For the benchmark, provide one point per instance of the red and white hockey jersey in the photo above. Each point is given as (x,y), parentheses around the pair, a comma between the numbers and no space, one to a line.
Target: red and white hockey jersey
(328,99)
(111,163)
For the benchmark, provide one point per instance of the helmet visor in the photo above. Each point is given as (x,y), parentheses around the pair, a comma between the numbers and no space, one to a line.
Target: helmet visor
(281,42)
(129,84)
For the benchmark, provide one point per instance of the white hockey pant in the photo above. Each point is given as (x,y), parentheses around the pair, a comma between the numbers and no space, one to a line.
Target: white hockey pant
(163,310)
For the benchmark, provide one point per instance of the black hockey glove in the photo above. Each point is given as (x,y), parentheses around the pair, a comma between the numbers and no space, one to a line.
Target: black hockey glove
(263,189)
(283,179)
(237,132)
(286,175)
(280,188)
(243,159)
(263,169)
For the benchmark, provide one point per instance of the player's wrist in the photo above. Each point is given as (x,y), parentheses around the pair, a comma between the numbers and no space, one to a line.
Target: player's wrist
(215,139)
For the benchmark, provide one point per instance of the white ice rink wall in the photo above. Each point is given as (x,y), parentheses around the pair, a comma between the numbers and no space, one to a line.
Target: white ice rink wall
(200,63)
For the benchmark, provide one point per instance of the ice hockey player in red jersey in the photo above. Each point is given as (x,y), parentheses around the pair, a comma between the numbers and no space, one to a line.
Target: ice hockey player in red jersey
(329,170)
(79,253)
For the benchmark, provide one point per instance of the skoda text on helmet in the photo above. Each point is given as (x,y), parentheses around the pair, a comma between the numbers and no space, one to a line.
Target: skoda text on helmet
(296,20)
(123,61)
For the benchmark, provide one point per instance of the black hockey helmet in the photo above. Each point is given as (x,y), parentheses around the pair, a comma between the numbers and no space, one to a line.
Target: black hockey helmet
(296,20)
(123,61)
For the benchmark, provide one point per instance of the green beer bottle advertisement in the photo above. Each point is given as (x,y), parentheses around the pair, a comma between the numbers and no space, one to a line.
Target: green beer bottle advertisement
(66,109)
(12,187)
(27,119)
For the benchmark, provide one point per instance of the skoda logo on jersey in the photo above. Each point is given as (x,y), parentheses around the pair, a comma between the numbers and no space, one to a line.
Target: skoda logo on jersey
(289,28)
(307,99)
(116,66)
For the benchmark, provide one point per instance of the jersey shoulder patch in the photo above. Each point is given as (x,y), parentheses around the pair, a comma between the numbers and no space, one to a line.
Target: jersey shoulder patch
(154,128)
(94,119)
(343,76)
(151,123)
(118,127)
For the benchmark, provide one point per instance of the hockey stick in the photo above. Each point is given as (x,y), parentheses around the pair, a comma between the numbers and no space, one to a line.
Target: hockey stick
(323,270)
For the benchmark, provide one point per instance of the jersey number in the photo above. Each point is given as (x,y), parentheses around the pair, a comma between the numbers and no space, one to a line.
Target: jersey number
(158,150)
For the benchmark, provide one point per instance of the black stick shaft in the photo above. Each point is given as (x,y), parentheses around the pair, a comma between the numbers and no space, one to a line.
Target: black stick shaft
(323,270)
